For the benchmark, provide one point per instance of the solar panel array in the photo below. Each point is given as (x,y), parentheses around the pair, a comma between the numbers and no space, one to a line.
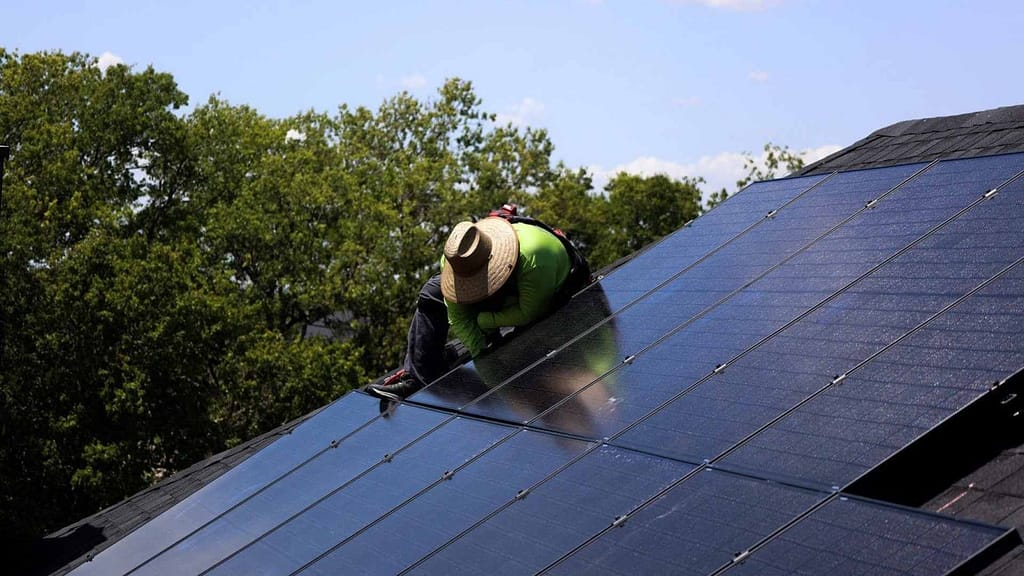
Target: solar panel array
(698,411)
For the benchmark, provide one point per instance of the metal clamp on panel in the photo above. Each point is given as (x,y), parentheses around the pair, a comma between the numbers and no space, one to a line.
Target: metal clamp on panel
(839,379)
(522,493)
(618,522)
(991,193)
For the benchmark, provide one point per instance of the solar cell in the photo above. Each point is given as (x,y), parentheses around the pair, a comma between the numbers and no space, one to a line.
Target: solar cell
(316,434)
(292,493)
(848,536)
(694,528)
(865,317)
(937,370)
(557,515)
(315,531)
(899,395)
(688,245)
(433,518)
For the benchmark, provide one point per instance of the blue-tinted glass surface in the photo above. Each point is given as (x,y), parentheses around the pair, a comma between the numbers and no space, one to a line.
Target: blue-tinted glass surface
(899,395)
(292,493)
(695,528)
(332,423)
(335,518)
(438,515)
(587,310)
(705,234)
(558,515)
(868,315)
(684,299)
(848,537)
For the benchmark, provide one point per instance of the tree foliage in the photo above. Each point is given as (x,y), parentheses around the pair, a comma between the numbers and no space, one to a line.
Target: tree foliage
(160,267)
(773,159)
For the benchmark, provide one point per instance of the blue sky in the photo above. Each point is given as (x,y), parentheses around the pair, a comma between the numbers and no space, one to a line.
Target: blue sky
(676,86)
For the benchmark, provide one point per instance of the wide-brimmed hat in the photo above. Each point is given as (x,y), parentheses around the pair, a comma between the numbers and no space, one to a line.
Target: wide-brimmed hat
(479,258)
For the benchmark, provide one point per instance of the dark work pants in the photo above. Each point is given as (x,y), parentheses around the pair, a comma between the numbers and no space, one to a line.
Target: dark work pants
(428,334)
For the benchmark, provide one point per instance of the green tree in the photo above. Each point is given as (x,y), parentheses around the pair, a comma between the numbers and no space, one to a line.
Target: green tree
(641,210)
(775,159)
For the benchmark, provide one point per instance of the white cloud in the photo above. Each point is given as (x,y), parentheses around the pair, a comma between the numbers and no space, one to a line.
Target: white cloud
(294,134)
(526,112)
(737,5)
(719,171)
(413,81)
(107,60)
(758,76)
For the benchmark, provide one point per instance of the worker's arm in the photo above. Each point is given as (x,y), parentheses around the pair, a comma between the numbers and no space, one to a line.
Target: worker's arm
(464,325)
(536,286)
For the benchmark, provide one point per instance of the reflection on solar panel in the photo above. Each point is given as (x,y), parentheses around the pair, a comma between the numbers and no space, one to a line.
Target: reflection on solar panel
(698,411)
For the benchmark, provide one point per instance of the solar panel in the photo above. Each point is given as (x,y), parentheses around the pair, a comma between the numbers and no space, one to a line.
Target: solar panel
(696,527)
(870,312)
(686,246)
(696,412)
(433,518)
(334,422)
(317,529)
(849,536)
(700,288)
(899,395)
(556,516)
(291,494)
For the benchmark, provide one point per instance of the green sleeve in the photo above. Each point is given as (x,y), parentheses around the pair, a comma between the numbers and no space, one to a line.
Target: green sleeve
(464,325)
(542,268)
(536,285)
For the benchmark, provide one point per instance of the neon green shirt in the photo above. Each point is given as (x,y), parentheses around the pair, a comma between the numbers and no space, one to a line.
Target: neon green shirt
(541,270)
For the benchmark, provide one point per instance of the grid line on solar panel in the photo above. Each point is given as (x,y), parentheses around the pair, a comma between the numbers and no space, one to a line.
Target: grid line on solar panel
(836,192)
(333,423)
(829,293)
(855,536)
(305,485)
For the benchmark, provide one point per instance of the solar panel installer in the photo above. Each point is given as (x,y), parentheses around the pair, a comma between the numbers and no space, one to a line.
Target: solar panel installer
(501,271)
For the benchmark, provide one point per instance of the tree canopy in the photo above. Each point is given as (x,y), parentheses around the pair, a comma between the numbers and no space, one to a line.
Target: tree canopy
(161,265)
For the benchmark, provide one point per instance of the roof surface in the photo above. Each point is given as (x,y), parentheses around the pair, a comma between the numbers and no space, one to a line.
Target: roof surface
(989,491)
(996,131)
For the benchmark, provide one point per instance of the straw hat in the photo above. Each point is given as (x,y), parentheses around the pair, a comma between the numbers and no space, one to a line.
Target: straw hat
(479,259)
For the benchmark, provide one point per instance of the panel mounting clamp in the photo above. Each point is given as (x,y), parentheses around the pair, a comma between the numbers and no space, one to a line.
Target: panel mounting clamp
(839,379)
(522,493)
(629,359)
(740,556)
(619,521)
(872,203)
(720,368)
(771,214)
(991,193)
(447,475)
